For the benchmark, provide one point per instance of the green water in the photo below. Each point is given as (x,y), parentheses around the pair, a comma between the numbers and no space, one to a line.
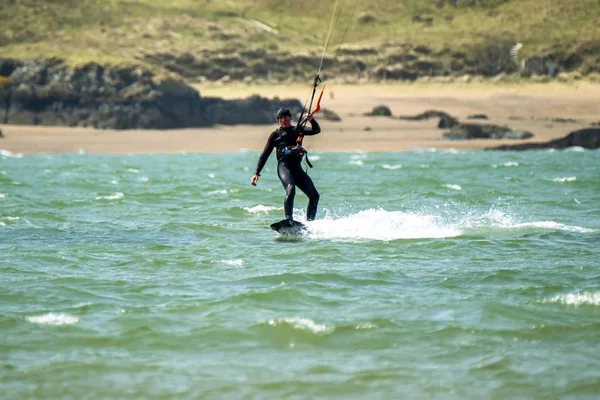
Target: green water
(435,275)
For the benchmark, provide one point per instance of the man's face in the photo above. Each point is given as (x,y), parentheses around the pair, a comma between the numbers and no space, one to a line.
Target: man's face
(285,121)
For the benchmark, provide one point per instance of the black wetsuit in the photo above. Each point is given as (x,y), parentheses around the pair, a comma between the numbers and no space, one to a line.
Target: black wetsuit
(289,168)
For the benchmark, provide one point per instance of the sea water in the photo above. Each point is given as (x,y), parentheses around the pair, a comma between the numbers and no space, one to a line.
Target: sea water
(428,274)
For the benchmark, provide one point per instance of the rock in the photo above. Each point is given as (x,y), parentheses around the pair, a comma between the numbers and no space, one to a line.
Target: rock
(564,120)
(477,116)
(380,111)
(366,19)
(484,131)
(4,99)
(329,115)
(47,92)
(588,138)
(8,65)
(446,120)
(254,110)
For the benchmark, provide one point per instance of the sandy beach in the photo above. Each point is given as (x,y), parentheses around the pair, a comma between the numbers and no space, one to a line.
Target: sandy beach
(530,107)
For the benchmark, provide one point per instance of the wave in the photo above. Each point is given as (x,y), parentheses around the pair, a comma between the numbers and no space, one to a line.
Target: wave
(577,149)
(53,319)
(451,150)
(392,167)
(236,263)
(220,191)
(319,329)
(6,153)
(260,209)
(566,179)
(424,150)
(550,225)
(453,187)
(576,299)
(507,164)
(316,277)
(115,196)
(10,220)
(304,324)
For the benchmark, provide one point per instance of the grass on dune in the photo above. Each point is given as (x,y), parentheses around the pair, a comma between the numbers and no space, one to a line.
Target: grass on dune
(121,31)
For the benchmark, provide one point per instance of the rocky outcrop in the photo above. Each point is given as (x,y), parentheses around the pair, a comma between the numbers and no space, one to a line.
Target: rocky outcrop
(446,120)
(477,116)
(468,131)
(588,138)
(329,115)
(48,92)
(380,111)
(484,131)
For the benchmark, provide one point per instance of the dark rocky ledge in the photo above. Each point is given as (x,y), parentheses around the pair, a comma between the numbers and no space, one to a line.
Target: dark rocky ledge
(48,92)
(588,138)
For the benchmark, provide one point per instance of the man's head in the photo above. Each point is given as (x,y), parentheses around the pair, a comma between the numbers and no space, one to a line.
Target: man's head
(284,117)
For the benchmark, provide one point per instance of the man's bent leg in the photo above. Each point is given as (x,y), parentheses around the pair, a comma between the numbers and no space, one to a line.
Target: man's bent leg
(306,184)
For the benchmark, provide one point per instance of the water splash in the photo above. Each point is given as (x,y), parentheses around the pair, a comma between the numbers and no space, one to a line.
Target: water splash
(498,219)
(379,224)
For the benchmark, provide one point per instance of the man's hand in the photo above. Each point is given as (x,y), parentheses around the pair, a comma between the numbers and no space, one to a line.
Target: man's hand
(254,179)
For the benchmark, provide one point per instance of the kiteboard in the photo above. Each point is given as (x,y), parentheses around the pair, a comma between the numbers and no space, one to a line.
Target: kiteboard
(289,227)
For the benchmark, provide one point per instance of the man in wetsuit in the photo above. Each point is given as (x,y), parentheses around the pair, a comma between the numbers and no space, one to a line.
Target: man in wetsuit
(289,156)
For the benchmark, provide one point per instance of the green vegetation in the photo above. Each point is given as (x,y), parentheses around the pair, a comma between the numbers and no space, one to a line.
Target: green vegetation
(132,32)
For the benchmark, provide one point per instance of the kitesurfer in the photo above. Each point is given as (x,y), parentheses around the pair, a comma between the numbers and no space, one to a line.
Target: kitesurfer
(287,140)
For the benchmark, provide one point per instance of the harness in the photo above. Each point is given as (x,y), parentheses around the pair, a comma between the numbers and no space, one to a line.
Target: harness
(296,150)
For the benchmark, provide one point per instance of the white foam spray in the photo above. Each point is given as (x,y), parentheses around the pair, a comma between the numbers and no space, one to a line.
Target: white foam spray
(379,224)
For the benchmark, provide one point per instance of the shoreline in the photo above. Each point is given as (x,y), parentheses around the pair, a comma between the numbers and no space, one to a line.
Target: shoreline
(531,107)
